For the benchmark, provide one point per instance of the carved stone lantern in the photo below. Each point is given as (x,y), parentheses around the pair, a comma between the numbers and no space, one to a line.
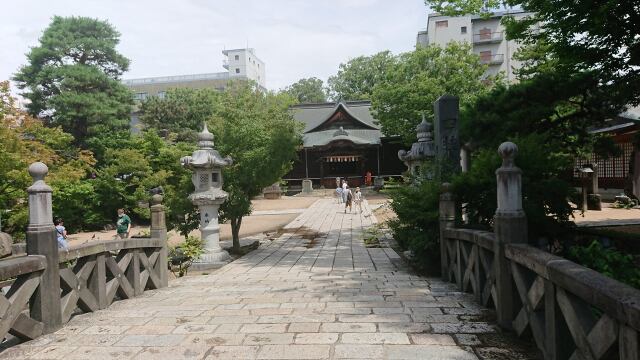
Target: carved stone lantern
(420,151)
(206,164)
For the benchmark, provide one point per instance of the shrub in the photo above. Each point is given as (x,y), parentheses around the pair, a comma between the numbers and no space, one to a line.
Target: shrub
(417,225)
(545,188)
(183,255)
(607,261)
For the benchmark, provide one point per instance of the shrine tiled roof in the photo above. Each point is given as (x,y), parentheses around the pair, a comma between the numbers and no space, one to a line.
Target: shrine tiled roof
(357,136)
(313,115)
(363,132)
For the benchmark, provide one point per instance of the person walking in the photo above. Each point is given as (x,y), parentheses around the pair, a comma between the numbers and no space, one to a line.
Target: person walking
(339,194)
(349,199)
(123,225)
(61,234)
(357,197)
(344,190)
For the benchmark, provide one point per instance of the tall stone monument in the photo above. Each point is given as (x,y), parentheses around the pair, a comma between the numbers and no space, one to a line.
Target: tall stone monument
(446,111)
(420,151)
(206,164)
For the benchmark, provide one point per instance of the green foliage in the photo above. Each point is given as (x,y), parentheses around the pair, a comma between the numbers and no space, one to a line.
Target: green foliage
(625,205)
(182,111)
(182,256)
(607,261)
(371,236)
(129,173)
(417,225)
(309,90)
(418,78)
(72,79)
(24,140)
(545,187)
(257,130)
(253,127)
(356,79)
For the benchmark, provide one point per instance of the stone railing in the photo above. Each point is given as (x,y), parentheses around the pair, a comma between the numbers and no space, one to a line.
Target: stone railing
(571,312)
(50,285)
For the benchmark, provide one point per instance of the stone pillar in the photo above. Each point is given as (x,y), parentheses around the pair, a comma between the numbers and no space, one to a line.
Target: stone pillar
(307,186)
(44,306)
(447,212)
(510,226)
(446,112)
(159,231)
(210,230)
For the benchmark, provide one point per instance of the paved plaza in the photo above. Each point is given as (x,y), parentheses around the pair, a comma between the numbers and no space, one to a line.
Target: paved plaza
(316,292)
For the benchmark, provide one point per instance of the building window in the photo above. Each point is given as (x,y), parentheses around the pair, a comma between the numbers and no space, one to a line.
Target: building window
(442,24)
(162,94)
(140,96)
(485,34)
(485,57)
(237,57)
(463,30)
(237,71)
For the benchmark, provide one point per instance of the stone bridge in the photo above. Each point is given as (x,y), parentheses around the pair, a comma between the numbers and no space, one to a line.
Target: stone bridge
(315,292)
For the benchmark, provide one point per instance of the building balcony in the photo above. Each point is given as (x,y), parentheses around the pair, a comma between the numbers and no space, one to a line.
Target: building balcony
(225,64)
(487,38)
(495,59)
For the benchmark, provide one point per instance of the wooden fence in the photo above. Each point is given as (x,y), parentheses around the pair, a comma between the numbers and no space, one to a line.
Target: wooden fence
(50,286)
(571,312)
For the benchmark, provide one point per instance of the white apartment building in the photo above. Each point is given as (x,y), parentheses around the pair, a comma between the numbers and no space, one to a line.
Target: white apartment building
(485,34)
(241,64)
(245,63)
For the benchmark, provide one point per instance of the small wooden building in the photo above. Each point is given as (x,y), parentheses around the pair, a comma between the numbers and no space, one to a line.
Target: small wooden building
(343,140)
(617,174)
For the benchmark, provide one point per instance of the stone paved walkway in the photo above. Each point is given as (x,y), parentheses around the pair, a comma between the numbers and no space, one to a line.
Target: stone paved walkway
(316,292)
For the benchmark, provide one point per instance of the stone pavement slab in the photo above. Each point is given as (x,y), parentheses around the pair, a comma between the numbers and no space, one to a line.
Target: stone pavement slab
(314,292)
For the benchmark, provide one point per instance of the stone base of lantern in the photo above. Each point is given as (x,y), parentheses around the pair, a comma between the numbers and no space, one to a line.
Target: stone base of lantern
(209,261)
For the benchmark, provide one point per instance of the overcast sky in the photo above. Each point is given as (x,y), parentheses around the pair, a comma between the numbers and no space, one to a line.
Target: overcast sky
(295,38)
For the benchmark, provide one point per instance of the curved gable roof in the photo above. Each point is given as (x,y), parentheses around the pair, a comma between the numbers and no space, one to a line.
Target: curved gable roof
(315,115)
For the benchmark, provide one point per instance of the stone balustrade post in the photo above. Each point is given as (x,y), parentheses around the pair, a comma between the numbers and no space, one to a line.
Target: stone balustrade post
(510,227)
(447,210)
(44,305)
(159,231)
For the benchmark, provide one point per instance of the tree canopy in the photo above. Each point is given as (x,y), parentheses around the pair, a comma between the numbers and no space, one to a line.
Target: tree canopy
(253,127)
(418,78)
(72,79)
(357,77)
(309,90)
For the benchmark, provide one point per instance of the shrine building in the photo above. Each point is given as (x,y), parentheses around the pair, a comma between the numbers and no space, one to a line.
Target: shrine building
(342,140)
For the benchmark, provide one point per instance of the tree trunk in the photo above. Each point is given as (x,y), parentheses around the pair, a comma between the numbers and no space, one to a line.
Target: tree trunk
(235,233)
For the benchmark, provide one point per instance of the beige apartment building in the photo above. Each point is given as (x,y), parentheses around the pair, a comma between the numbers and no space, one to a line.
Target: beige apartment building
(485,34)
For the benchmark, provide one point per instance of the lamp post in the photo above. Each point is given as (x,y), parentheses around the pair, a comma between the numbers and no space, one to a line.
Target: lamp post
(206,164)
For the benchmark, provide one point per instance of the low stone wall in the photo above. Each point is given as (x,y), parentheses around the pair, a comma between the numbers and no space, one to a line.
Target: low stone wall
(46,286)
(571,312)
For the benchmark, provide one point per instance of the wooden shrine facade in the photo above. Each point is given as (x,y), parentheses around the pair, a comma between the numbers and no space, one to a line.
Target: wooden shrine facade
(342,140)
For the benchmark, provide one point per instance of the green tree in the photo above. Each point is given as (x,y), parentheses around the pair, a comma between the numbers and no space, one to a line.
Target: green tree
(310,90)
(257,130)
(23,140)
(253,127)
(72,79)
(590,48)
(181,112)
(356,79)
(418,78)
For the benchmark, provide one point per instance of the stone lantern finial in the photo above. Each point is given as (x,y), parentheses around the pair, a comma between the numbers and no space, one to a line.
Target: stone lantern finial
(424,130)
(508,152)
(205,138)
